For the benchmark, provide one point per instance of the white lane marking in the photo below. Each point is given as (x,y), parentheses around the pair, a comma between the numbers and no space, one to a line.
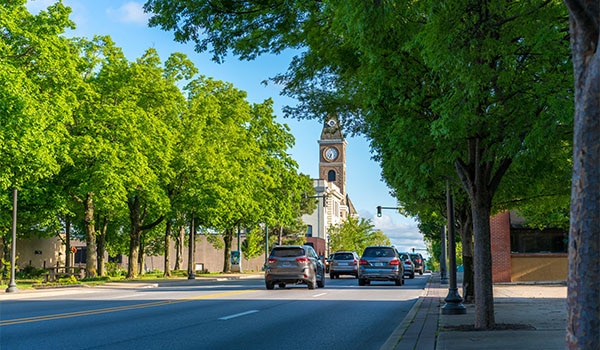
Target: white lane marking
(225,318)
(319,295)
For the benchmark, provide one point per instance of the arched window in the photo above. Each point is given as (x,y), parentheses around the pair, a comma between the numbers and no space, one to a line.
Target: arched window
(309,231)
(331,176)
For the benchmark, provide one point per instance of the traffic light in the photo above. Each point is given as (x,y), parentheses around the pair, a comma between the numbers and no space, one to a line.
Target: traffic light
(379,211)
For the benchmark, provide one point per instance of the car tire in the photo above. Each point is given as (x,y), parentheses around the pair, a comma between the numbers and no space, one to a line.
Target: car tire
(332,276)
(312,282)
(270,285)
(361,282)
(398,282)
(281,285)
(412,275)
(421,272)
(321,282)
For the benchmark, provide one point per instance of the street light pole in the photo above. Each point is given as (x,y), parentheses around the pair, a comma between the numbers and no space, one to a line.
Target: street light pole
(443,270)
(453,300)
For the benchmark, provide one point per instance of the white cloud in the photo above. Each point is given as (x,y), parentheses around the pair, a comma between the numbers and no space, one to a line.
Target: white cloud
(403,232)
(130,12)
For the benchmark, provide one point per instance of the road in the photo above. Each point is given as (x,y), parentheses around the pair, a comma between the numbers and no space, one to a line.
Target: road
(202,314)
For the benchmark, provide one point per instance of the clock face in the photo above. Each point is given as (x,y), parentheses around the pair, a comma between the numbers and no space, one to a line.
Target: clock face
(331,123)
(331,153)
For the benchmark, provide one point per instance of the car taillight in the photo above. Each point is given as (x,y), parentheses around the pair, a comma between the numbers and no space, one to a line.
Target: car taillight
(355,261)
(272,260)
(395,262)
(302,259)
(363,262)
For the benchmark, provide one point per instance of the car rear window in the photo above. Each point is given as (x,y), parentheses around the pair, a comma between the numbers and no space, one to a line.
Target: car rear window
(287,252)
(343,256)
(378,253)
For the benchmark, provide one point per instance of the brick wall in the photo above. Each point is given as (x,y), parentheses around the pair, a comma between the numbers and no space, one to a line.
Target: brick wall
(500,247)
(319,244)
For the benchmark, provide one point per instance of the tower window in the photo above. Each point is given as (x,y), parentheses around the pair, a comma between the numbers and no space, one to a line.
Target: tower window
(331,176)
(309,231)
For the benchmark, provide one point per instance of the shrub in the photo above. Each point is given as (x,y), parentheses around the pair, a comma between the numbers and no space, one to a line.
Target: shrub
(30,272)
(68,280)
(114,270)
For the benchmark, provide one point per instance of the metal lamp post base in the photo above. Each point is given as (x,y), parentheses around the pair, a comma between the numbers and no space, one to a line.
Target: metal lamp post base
(454,304)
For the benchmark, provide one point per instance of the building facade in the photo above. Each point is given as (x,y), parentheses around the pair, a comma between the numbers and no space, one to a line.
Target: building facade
(521,253)
(334,205)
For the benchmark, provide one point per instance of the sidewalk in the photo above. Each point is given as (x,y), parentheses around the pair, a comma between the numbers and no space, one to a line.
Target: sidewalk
(528,316)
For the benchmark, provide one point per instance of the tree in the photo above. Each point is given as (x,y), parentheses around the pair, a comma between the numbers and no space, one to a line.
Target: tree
(583,300)
(485,80)
(153,100)
(121,143)
(471,104)
(38,75)
(187,131)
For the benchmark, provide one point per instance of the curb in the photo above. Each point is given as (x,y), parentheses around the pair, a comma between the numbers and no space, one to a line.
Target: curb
(396,336)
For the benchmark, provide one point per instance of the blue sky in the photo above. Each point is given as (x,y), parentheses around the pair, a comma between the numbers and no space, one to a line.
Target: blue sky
(126,23)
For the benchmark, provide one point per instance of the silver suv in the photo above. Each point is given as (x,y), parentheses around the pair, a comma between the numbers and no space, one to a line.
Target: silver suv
(409,265)
(343,263)
(380,263)
(294,264)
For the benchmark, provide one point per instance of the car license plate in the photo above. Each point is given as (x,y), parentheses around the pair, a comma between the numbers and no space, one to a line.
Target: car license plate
(287,264)
(379,264)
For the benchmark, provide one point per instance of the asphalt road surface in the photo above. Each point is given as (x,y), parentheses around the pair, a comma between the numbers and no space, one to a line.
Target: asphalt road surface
(201,314)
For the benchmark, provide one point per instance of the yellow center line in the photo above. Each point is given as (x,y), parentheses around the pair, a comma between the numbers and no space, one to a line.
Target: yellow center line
(117,308)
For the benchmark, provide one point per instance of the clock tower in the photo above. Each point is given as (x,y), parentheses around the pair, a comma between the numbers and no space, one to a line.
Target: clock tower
(332,154)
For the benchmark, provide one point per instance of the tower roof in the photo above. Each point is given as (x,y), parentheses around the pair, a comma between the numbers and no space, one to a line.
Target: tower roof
(332,130)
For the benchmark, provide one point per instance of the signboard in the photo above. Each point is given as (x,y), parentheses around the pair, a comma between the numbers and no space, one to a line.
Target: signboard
(235,257)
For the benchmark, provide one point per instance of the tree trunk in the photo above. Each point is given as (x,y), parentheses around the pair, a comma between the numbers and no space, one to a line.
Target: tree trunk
(179,242)
(192,248)
(6,252)
(90,236)
(68,254)
(280,235)
(142,255)
(228,239)
(480,180)
(583,296)
(134,246)
(136,218)
(484,294)
(102,246)
(134,236)
(167,268)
